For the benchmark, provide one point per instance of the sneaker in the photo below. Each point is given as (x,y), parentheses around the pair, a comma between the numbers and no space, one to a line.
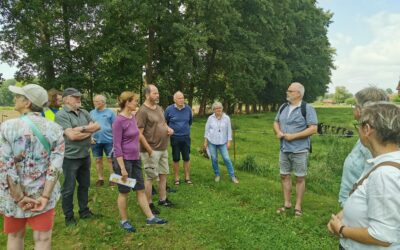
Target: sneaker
(99,183)
(127,226)
(217,178)
(153,209)
(165,203)
(156,221)
(70,221)
(235,180)
(87,215)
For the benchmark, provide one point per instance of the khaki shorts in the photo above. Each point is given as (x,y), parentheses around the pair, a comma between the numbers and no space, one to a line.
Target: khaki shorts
(156,164)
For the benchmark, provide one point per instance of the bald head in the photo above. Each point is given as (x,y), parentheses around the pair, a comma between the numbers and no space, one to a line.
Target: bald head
(295,93)
(151,93)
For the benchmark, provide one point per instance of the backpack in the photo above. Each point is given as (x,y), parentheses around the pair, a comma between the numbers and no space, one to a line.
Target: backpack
(303,108)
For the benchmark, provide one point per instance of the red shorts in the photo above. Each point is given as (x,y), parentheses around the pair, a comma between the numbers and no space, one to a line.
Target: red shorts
(42,222)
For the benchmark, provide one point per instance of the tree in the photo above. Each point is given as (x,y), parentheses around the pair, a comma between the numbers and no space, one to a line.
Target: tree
(341,94)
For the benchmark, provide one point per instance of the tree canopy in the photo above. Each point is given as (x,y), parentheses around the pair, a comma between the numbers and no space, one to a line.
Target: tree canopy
(236,51)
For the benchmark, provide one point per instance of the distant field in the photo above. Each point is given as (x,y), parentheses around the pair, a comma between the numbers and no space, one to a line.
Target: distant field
(221,215)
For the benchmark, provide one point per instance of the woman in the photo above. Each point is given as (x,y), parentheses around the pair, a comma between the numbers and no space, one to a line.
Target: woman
(127,162)
(218,136)
(370,218)
(31,158)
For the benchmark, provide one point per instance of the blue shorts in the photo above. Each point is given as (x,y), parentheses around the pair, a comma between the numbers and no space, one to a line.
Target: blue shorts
(180,145)
(99,148)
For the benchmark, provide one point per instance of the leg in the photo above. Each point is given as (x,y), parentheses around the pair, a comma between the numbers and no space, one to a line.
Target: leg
(225,156)
(109,160)
(214,158)
(108,147)
(186,167)
(97,151)
(70,168)
(162,187)
(15,241)
(185,149)
(83,178)
(42,240)
(163,171)
(286,187)
(300,189)
(300,162)
(176,170)
(99,168)
(122,202)
(143,203)
(148,183)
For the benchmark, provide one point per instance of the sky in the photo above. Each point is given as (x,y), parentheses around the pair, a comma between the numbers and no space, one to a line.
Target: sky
(366,36)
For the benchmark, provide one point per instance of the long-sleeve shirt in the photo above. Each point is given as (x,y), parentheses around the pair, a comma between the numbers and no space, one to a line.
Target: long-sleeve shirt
(24,159)
(218,131)
(126,138)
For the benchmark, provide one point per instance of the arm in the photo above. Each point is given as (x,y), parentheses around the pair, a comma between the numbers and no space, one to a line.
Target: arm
(228,145)
(144,142)
(206,133)
(74,135)
(312,129)
(121,164)
(277,130)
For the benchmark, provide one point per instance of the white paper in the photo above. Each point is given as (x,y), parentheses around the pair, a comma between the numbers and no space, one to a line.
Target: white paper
(118,179)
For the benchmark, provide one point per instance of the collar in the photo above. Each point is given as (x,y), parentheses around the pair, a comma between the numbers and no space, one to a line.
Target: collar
(66,108)
(392,156)
(295,106)
(176,106)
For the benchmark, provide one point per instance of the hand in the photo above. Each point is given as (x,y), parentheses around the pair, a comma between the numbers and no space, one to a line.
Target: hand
(334,224)
(27,203)
(150,152)
(124,175)
(39,207)
(205,145)
(288,137)
(228,145)
(93,141)
(279,135)
(170,131)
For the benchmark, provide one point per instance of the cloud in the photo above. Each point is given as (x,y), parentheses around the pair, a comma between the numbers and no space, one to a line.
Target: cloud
(376,62)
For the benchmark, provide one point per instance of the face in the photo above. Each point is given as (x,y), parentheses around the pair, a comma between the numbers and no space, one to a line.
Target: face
(218,111)
(154,96)
(59,101)
(98,103)
(179,99)
(73,101)
(293,93)
(21,103)
(356,111)
(132,104)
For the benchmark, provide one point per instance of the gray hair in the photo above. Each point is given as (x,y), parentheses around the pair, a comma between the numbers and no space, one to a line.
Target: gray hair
(102,97)
(147,89)
(370,94)
(384,117)
(300,88)
(216,105)
(176,93)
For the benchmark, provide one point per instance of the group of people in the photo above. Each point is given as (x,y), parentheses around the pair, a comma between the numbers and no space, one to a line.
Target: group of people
(47,141)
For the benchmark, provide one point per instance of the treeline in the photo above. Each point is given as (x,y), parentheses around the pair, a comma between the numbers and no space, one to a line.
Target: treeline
(243,52)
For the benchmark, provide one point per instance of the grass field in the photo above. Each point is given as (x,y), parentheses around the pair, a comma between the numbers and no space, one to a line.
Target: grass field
(222,215)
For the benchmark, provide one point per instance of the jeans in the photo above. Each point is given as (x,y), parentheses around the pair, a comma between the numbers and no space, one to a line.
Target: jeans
(75,170)
(225,156)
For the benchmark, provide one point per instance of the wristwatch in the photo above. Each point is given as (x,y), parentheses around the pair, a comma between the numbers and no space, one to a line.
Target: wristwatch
(341,231)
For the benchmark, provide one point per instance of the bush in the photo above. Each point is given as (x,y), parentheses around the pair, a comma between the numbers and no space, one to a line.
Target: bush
(249,164)
(350,101)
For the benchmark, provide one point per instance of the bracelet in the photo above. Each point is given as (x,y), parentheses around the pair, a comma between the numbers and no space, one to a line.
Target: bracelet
(341,231)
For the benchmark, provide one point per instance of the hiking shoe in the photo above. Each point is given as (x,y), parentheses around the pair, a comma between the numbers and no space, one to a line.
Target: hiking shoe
(99,183)
(70,221)
(87,215)
(165,203)
(156,221)
(235,180)
(153,209)
(217,178)
(127,226)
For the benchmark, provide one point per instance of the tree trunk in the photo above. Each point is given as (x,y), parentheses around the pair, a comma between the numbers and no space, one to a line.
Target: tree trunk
(209,71)
(149,79)
(247,108)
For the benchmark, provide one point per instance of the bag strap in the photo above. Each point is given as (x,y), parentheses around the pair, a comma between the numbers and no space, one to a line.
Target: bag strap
(386,163)
(37,133)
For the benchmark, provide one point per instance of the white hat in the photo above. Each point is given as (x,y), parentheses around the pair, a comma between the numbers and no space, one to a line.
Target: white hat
(35,93)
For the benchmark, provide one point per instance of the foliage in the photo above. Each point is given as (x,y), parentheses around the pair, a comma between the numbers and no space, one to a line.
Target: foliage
(6,98)
(350,101)
(235,51)
(341,94)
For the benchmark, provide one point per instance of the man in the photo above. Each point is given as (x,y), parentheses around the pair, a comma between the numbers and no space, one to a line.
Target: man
(102,140)
(179,118)
(356,161)
(31,157)
(155,134)
(294,129)
(55,101)
(78,129)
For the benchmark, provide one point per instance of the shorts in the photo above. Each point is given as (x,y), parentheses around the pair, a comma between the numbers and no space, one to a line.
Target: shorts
(156,164)
(99,148)
(134,169)
(180,145)
(42,222)
(296,162)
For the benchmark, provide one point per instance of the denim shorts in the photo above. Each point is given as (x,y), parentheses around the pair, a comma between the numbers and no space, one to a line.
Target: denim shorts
(180,145)
(99,148)
(134,169)
(296,162)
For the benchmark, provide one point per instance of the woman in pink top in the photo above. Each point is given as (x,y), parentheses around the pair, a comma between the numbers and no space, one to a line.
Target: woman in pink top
(127,162)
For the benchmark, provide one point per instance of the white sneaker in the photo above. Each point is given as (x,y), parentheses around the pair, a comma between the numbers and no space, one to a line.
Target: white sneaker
(235,180)
(217,178)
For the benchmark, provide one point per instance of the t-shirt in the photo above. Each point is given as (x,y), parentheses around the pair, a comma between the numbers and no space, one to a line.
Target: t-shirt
(105,118)
(126,138)
(154,127)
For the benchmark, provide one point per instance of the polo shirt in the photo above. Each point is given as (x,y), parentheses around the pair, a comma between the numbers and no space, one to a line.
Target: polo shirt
(179,120)
(105,118)
(67,118)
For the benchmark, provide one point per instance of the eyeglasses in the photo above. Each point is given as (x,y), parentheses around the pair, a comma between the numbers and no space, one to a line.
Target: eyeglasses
(358,124)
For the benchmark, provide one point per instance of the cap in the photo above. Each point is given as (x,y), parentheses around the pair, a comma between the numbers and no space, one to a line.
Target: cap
(35,93)
(71,92)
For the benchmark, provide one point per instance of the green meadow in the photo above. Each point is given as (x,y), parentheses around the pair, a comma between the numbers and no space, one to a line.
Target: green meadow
(222,215)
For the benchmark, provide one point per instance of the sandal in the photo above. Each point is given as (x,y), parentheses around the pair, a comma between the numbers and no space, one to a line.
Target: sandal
(298,213)
(177,182)
(188,181)
(282,210)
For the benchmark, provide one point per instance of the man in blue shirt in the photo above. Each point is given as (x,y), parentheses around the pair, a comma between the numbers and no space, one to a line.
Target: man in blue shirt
(179,118)
(102,139)
(294,131)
